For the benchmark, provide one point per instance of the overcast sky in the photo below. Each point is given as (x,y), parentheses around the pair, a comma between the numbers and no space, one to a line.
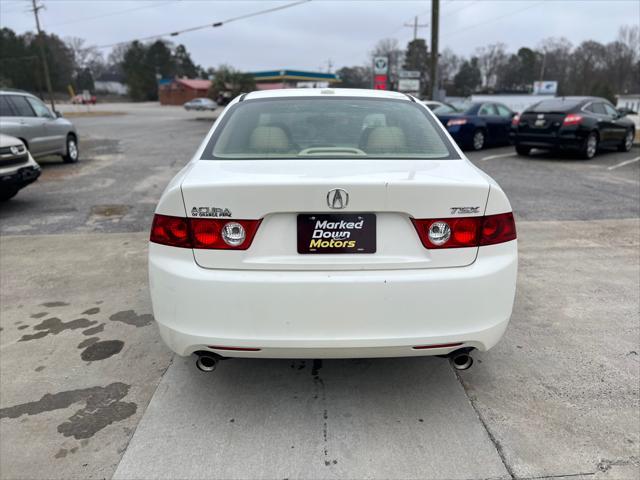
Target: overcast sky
(307,36)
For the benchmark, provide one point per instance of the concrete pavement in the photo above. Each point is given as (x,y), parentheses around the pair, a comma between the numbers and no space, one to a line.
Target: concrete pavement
(80,358)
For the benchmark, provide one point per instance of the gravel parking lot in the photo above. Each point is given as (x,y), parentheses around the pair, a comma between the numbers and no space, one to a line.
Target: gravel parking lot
(88,390)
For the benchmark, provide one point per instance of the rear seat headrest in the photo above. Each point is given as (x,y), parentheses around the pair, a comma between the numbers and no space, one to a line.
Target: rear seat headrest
(269,139)
(386,139)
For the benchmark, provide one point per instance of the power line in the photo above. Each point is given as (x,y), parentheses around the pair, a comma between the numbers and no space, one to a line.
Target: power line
(448,14)
(111,14)
(493,19)
(209,25)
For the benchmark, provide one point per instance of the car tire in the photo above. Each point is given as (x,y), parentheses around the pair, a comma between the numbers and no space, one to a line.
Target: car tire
(8,194)
(590,146)
(627,142)
(71,153)
(522,150)
(478,140)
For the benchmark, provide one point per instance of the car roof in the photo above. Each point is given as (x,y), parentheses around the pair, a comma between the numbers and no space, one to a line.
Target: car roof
(14,91)
(326,92)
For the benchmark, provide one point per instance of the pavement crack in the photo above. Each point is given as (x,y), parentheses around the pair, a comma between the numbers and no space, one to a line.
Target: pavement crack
(496,444)
(322,395)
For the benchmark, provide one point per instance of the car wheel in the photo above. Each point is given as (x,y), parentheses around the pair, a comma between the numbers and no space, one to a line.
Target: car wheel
(590,146)
(477,143)
(8,194)
(627,143)
(522,150)
(72,152)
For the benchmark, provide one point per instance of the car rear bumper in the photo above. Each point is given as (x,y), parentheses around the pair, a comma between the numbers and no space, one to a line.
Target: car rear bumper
(562,141)
(331,314)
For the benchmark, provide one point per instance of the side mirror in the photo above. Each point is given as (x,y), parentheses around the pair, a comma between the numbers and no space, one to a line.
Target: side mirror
(57,114)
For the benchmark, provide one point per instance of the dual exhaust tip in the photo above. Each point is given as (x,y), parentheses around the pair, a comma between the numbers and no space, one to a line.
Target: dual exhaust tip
(459,359)
(207,362)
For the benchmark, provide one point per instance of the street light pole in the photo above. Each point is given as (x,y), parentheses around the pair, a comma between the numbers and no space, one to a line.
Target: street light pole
(45,67)
(435,13)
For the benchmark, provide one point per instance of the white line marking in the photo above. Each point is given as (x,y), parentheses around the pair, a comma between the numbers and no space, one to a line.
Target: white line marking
(502,155)
(622,164)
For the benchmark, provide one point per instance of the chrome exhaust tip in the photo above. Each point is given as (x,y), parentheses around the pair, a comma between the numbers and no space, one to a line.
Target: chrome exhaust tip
(206,363)
(461,360)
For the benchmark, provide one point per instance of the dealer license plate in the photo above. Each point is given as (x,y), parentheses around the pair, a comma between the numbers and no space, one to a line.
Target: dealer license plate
(337,233)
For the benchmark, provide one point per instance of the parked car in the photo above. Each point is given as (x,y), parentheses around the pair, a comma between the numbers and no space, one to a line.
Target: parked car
(201,104)
(578,124)
(477,125)
(309,218)
(17,168)
(42,131)
(439,108)
(84,99)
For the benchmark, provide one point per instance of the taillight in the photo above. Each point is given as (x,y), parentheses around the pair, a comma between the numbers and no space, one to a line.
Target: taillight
(466,231)
(206,233)
(515,121)
(456,121)
(223,234)
(172,231)
(572,119)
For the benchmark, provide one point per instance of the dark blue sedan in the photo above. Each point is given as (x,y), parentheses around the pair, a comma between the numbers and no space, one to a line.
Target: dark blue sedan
(477,125)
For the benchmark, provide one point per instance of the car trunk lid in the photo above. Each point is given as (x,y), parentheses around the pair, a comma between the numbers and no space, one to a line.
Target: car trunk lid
(277,191)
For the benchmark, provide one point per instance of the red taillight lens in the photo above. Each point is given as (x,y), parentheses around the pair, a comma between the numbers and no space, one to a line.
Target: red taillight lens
(470,231)
(515,121)
(572,119)
(456,121)
(203,233)
(465,231)
(207,233)
(498,229)
(172,231)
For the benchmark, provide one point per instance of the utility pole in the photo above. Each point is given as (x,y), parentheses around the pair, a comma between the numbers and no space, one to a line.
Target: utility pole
(415,25)
(435,14)
(45,67)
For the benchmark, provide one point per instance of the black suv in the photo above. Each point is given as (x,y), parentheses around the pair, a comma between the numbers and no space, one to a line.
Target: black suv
(579,124)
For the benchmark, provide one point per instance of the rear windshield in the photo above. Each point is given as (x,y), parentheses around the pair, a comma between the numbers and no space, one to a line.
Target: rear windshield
(339,127)
(559,105)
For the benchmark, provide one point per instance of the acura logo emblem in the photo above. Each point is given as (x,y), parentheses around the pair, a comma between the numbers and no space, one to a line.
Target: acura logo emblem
(337,198)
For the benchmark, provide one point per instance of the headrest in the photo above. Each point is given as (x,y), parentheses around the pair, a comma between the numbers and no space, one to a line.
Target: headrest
(269,139)
(386,139)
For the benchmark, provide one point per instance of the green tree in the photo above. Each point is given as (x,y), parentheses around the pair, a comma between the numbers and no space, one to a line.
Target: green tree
(138,72)
(160,58)
(184,66)
(354,77)
(228,83)
(17,62)
(468,78)
(417,58)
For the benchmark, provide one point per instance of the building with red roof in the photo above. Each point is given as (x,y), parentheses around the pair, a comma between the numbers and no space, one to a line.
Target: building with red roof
(181,90)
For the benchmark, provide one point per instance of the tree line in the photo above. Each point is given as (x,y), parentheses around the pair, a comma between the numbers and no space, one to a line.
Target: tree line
(590,68)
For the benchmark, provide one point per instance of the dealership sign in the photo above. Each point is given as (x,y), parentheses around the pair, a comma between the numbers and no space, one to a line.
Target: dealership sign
(409,85)
(545,88)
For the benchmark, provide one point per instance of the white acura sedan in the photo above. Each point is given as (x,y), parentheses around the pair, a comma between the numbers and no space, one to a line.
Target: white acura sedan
(331,223)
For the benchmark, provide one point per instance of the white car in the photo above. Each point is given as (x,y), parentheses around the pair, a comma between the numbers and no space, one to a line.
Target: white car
(200,104)
(331,223)
(17,168)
